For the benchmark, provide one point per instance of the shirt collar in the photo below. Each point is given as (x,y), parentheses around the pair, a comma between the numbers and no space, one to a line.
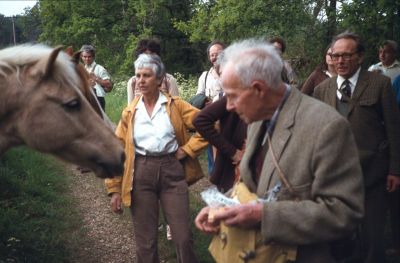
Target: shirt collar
(91,66)
(162,99)
(353,80)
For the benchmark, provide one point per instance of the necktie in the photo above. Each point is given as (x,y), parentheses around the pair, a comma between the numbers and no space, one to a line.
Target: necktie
(260,152)
(346,88)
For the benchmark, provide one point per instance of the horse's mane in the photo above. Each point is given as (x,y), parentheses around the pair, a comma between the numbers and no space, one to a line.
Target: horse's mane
(15,59)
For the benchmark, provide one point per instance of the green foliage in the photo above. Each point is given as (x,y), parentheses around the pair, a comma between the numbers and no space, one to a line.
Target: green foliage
(36,218)
(187,86)
(374,21)
(116,100)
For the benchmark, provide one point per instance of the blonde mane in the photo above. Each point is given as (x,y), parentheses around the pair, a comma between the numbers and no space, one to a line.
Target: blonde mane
(46,103)
(15,59)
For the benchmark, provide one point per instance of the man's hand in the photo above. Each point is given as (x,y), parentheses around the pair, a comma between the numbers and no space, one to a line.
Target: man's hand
(245,215)
(116,203)
(392,183)
(92,79)
(205,222)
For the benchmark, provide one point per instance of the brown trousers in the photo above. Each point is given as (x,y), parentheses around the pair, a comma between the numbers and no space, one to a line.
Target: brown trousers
(160,181)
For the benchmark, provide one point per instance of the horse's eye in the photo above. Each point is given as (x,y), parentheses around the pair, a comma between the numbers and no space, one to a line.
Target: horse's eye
(72,105)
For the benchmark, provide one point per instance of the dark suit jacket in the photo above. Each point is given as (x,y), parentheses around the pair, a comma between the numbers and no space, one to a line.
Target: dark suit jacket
(310,139)
(229,139)
(375,121)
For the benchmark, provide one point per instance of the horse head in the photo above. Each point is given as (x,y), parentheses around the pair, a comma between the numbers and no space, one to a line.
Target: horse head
(42,105)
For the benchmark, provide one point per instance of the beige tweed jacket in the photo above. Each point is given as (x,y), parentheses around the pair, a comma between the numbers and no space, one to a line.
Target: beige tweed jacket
(316,152)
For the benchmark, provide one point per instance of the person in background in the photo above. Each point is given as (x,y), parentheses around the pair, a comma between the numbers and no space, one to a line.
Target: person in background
(396,88)
(154,129)
(99,78)
(366,99)
(168,85)
(208,83)
(288,74)
(228,140)
(388,65)
(320,200)
(323,71)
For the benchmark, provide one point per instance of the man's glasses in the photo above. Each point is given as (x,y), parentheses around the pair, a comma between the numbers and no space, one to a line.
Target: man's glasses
(344,56)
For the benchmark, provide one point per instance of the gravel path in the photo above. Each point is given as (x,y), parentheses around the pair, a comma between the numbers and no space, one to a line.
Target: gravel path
(108,236)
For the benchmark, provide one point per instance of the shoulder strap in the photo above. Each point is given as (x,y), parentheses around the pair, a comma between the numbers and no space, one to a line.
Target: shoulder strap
(278,168)
(205,82)
(92,71)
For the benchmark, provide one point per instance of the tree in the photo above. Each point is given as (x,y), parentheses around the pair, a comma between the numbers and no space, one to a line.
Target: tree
(374,20)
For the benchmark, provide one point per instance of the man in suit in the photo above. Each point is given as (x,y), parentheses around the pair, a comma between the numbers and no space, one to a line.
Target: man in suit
(366,99)
(317,182)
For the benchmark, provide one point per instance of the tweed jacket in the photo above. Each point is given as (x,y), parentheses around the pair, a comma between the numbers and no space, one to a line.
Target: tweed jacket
(375,121)
(310,139)
(181,115)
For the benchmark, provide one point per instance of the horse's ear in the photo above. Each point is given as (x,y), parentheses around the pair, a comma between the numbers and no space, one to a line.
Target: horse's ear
(44,67)
(76,56)
(51,61)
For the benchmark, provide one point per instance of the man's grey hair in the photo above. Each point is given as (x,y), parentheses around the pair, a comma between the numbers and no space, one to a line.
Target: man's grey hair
(254,59)
(152,61)
(353,36)
(390,43)
(89,49)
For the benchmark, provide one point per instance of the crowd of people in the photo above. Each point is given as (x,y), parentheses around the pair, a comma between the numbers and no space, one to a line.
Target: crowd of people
(323,157)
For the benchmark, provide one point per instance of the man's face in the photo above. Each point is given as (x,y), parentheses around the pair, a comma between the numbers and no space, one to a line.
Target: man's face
(87,58)
(387,55)
(345,57)
(214,51)
(240,99)
(278,47)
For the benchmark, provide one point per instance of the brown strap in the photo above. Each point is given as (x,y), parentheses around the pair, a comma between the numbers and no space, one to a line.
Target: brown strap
(280,173)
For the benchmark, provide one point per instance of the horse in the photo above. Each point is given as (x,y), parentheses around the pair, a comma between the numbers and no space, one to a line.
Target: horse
(43,106)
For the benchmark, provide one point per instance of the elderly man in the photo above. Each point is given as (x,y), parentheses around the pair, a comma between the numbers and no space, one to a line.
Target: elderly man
(388,64)
(209,80)
(100,80)
(366,99)
(316,178)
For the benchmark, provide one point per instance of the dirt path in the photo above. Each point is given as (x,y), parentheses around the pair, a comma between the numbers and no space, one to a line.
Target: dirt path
(108,236)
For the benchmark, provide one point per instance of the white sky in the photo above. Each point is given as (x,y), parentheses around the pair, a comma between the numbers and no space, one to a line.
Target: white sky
(15,7)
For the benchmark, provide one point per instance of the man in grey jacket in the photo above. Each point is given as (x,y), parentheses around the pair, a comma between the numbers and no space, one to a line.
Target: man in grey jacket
(310,159)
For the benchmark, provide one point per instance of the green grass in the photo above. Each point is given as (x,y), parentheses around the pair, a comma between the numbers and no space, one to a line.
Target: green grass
(37,218)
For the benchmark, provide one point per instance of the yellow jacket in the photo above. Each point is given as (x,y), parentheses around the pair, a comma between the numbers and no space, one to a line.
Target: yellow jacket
(181,115)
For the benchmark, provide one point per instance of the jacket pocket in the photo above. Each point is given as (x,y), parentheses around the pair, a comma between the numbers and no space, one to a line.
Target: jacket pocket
(300,192)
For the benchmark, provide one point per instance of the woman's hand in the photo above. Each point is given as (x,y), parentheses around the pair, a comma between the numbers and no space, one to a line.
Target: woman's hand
(116,203)
(237,157)
(180,154)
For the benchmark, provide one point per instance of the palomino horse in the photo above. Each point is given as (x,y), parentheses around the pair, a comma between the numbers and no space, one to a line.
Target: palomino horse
(42,105)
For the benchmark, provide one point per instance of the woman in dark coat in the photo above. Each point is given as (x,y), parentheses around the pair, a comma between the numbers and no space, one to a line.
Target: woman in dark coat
(322,72)
(229,141)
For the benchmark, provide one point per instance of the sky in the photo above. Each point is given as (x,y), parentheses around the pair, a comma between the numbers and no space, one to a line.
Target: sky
(15,7)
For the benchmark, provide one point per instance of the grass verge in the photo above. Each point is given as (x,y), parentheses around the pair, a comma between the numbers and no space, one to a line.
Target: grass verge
(37,218)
